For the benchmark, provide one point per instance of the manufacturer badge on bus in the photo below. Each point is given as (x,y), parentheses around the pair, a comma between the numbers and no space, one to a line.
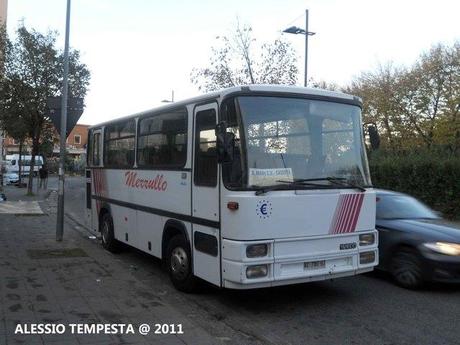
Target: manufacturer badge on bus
(345,246)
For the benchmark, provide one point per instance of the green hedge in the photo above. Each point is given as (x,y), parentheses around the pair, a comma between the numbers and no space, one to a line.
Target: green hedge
(427,176)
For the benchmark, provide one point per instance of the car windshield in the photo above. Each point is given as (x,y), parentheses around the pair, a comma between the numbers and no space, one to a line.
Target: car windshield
(402,207)
(290,139)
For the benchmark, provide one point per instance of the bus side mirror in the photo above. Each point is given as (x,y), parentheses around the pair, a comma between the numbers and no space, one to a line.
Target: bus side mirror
(225,143)
(374,136)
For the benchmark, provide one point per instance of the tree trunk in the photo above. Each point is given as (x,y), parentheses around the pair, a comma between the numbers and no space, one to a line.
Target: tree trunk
(35,146)
(248,63)
(386,124)
(21,143)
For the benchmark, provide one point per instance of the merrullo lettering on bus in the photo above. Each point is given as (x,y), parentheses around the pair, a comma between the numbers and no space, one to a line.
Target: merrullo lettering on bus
(247,187)
(156,184)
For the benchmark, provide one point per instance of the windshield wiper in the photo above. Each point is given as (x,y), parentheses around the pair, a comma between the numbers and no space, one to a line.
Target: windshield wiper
(338,181)
(282,186)
(319,179)
(262,190)
(303,183)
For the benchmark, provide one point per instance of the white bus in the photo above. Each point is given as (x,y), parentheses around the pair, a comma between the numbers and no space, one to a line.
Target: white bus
(248,187)
(13,163)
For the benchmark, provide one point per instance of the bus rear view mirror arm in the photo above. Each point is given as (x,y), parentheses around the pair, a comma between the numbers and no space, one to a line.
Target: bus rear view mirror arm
(225,143)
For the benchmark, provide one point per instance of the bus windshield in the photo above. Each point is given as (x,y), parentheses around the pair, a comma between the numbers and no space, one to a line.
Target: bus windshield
(285,139)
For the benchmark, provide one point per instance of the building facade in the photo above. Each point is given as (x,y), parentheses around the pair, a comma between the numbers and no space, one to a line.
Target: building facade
(75,144)
(76,141)
(3,11)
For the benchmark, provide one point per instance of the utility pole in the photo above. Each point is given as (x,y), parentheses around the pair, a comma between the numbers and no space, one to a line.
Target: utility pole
(295,30)
(63,136)
(3,16)
(306,48)
(1,160)
(167,100)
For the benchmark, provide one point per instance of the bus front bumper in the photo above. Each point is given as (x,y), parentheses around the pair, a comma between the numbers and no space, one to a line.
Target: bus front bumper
(294,261)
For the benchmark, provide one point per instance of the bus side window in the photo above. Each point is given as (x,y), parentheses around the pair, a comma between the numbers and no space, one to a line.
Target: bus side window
(119,143)
(96,156)
(205,149)
(89,148)
(162,140)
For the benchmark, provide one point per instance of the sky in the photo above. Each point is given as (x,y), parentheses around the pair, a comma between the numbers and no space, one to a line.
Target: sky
(138,51)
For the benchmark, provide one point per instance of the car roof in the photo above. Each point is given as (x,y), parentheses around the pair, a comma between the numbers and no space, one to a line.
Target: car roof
(386,192)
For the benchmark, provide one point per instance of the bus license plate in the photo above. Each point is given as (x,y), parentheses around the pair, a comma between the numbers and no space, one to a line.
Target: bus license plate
(315,265)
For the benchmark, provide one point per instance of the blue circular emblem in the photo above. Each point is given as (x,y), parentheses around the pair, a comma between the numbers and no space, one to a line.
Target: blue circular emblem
(264,209)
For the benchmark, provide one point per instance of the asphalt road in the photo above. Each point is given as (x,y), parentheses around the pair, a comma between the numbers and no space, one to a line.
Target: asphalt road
(366,309)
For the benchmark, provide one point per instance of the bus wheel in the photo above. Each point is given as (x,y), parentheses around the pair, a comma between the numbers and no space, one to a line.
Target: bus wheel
(180,265)
(406,268)
(108,238)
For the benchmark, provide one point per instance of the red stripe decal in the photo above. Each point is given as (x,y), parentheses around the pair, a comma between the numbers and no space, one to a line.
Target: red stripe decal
(351,208)
(341,214)
(346,207)
(358,211)
(337,215)
(335,218)
(347,213)
(104,183)
(96,189)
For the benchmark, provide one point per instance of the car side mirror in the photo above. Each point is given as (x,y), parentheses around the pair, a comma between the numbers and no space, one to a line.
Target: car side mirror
(225,143)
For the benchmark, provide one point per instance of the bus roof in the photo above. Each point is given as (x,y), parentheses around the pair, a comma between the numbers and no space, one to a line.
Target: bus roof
(246,88)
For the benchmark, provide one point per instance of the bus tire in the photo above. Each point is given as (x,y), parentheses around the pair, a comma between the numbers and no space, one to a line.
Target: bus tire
(179,263)
(107,234)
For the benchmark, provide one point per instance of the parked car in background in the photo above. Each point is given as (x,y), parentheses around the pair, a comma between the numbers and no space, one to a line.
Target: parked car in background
(415,244)
(10,178)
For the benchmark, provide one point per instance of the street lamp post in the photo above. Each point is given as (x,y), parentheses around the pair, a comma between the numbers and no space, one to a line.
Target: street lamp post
(295,30)
(1,160)
(63,135)
(167,100)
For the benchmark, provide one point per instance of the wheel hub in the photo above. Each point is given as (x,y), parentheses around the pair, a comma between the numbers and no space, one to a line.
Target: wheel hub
(179,263)
(105,232)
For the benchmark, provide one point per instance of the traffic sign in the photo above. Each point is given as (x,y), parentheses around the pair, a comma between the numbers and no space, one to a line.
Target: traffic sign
(74,111)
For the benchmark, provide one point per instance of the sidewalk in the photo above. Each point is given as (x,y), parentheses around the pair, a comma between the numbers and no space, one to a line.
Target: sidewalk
(13,193)
(19,203)
(75,281)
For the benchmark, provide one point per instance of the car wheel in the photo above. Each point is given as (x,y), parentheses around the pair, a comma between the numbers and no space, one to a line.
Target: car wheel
(107,234)
(179,263)
(406,268)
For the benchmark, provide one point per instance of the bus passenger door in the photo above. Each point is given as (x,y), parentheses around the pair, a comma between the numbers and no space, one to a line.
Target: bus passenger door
(205,196)
(94,161)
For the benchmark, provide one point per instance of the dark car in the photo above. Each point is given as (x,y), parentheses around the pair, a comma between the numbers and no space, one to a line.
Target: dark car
(415,244)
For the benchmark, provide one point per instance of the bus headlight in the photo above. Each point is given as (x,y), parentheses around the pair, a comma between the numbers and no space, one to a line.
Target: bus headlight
(256,250)
(256,271)
(366,258)
(444,248)
(366,239)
